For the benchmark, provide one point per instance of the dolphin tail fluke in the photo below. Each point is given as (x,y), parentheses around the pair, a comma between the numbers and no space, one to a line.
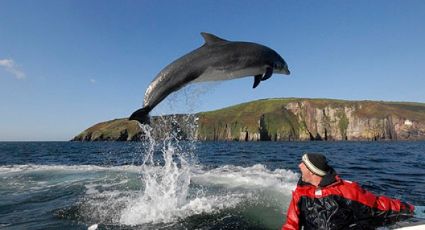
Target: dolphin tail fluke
(141,115)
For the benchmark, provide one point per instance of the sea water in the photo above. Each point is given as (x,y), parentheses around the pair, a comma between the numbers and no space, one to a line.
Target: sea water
(176,184)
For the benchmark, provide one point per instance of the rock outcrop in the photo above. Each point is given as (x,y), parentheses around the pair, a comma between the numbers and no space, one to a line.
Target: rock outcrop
(180,126)
(115,130)
(284,120)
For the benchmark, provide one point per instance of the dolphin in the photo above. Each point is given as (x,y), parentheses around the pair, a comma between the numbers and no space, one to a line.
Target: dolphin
(216,60)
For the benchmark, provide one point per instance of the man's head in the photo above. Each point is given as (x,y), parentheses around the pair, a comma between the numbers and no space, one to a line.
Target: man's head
(313,167)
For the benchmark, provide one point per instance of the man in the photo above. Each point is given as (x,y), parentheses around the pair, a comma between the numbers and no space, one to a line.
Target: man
(322,200)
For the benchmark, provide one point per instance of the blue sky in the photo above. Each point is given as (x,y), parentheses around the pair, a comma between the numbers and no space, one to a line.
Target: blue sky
(66,65)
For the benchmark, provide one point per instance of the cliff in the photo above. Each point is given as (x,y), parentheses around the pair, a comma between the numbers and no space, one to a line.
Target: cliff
(115,130)
(181,126)
(289,119)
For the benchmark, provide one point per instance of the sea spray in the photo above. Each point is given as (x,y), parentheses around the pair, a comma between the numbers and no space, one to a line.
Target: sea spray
(166,180)
(168,195)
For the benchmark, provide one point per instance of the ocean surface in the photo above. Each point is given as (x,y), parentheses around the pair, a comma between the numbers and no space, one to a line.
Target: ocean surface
(174,184)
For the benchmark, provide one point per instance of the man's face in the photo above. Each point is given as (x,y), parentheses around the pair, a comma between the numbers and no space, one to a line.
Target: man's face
(306,174)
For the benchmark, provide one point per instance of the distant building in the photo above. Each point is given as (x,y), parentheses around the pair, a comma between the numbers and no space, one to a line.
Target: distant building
(408,123)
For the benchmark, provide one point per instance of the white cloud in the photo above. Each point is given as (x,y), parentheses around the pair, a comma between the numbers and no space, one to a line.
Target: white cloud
(10,66)
(93,81)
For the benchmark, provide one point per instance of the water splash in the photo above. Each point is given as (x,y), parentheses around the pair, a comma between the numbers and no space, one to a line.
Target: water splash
(172,187)
(166,180)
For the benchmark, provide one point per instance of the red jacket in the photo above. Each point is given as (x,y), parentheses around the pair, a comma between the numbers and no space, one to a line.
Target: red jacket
(341,204)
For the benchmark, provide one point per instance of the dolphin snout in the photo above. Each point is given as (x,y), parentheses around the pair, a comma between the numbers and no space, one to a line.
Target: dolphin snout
(285,71)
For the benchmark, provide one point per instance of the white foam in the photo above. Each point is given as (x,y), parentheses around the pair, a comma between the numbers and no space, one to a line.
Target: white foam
(164,196)
(144,211)
(91,189)
(162,193)
(245,182)
(167,195)
(92,227)
(254,177)
(166,188)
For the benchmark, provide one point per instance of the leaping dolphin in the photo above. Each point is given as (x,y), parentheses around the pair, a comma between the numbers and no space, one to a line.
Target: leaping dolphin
(216,60)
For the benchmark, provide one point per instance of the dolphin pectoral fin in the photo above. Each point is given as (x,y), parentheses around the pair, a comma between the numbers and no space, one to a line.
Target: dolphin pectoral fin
(267,74)
(257,80)
(141,115)
(262,77)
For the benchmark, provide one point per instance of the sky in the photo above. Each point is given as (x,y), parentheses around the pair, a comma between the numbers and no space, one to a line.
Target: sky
(67,65)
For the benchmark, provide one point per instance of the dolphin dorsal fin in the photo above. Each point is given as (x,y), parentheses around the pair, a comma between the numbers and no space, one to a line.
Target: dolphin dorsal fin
(211,38)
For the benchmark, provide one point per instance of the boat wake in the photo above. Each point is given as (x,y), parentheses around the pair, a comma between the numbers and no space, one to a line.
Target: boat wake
(157,197)
(169,190)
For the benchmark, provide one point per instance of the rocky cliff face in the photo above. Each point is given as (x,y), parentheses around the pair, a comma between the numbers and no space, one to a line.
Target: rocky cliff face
(359,121)
(316,119)
(283,120)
